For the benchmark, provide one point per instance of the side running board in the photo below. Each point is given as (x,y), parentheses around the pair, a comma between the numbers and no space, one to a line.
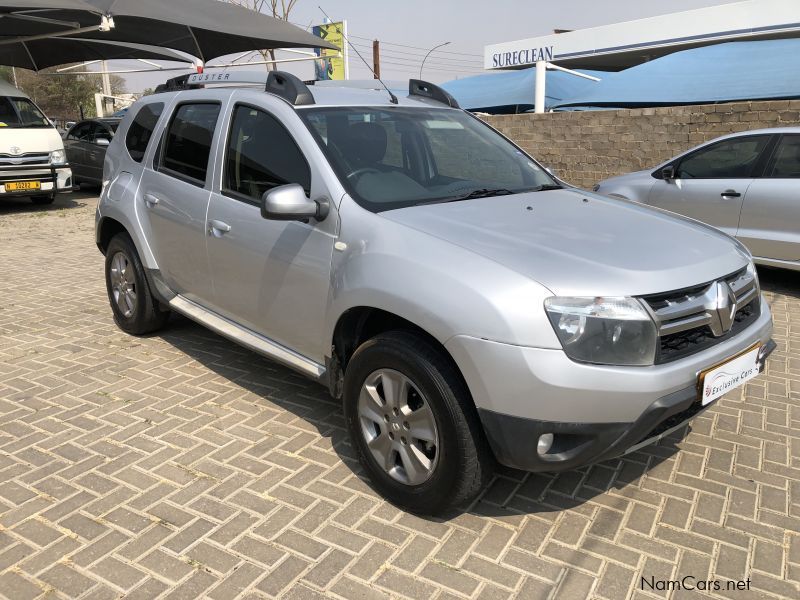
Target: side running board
(247,338)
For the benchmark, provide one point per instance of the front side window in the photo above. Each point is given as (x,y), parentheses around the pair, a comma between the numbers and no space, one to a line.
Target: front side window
(393,157)
(21,112)
(787,158)
(261,155)
(141,130)
(729,159)
(81,131)
(187,144)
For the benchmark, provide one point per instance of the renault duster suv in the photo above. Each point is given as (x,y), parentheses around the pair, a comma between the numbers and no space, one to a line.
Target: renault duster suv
(463,304)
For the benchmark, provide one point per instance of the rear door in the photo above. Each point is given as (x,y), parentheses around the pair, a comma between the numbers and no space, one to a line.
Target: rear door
(770,222)
(710,183)
(174,195)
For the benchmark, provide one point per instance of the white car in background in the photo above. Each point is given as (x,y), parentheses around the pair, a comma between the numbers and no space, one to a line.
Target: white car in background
(32,158)
(746,184)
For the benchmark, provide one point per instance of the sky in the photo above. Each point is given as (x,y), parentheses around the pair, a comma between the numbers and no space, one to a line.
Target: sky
(407,29)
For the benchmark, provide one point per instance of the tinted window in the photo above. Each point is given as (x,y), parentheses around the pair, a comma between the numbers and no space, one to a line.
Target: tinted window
(81,131)
(395,157)
(729,159)
(141,130)
(262,155)
(787,158)
(188,141)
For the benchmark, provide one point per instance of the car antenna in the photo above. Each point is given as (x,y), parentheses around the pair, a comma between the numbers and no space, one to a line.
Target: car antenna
(392,97)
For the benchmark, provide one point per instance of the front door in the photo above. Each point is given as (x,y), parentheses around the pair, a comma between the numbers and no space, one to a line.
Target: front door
(174,197)
(273,277)
(771,211)
(710,183)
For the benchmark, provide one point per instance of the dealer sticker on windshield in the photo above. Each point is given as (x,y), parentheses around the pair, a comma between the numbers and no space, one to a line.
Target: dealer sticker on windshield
(722,379)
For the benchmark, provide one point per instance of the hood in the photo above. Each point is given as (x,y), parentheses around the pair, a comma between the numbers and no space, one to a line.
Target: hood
(31,139)
(577,243)
(634,176)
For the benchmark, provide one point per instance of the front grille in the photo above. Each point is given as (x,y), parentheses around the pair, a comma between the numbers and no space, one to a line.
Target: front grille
(26,161)
(686,318)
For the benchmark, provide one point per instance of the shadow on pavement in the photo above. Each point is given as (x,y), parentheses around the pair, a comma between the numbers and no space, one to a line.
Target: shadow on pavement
(510,493)
(23,204)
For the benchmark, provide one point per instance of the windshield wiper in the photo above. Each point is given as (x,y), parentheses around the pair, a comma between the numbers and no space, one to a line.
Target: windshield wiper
(546,187)
(481,193)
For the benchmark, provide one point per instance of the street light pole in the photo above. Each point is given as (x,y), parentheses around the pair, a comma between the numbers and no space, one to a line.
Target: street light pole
(427,55)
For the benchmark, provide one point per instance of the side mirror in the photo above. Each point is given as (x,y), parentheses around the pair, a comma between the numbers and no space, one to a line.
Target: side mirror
(668,172)
(101,141)
(290,203)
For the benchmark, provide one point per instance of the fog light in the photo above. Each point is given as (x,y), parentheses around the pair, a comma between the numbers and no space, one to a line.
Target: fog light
(545,443)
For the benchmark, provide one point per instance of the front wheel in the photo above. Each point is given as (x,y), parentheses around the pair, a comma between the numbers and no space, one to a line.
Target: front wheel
(412,421)
(135,309)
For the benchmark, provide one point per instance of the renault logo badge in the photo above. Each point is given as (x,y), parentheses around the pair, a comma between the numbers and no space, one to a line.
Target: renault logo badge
(722,307)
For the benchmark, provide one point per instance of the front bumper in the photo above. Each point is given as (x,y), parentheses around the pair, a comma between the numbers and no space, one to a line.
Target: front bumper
(599,411)
(52,180)
(514,440)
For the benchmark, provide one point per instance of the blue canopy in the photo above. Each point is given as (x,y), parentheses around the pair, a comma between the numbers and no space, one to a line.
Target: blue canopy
(720,73)
(513,91)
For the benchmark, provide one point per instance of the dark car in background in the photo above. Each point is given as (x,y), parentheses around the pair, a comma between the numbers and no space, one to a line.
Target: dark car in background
(86,144)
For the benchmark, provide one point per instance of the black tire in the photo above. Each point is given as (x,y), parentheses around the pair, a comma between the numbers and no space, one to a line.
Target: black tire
(464,462)
(43,200)
(146,314)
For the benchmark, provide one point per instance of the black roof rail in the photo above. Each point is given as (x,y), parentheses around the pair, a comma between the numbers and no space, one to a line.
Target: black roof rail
(175,84)
(430,91)
(289,87)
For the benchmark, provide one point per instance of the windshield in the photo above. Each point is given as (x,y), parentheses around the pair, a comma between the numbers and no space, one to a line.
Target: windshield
(394,157)
(21,112)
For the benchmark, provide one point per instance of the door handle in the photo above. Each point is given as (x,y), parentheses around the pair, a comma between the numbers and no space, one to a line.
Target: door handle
(150,200)
(218,228)
(730,194)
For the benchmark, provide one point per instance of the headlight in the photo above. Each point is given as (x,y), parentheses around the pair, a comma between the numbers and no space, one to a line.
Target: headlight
(58,157)
(606,331)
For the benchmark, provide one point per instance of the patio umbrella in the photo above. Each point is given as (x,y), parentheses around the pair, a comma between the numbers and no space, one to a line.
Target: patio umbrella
(43,53)
(205,29)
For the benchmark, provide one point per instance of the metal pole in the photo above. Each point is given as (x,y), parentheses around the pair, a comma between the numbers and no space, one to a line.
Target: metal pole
(541,76)
(376,59)
(14,75)
(427,55)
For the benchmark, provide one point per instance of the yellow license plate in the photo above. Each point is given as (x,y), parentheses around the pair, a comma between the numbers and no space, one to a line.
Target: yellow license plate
(22,186)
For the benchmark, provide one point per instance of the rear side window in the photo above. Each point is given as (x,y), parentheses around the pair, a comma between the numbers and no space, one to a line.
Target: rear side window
(141,130)
(262,155)
(187,144)
(787,158)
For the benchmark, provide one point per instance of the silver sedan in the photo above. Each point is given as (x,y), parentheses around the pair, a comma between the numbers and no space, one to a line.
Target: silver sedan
(746,184)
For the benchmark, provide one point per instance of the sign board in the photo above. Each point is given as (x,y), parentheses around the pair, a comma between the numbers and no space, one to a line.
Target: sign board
(335,65)
(621,45)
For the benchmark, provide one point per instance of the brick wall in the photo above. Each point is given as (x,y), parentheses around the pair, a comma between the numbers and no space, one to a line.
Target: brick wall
(586,147)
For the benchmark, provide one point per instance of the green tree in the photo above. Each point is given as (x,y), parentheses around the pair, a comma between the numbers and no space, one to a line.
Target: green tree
(65,96)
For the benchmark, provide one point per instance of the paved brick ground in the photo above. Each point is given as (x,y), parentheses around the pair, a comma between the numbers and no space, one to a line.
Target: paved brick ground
(182,466)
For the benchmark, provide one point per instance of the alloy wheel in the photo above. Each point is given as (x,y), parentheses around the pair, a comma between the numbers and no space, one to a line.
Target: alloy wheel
(398,426)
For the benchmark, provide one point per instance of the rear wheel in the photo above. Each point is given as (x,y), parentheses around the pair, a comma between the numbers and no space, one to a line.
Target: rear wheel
(135,309)
(413,423)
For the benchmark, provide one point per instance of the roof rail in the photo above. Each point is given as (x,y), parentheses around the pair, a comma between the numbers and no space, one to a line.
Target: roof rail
(289,87)
(280,83)
(173,85)
(424,89)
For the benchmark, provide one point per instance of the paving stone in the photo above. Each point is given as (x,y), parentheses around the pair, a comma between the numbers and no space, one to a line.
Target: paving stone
(180,465)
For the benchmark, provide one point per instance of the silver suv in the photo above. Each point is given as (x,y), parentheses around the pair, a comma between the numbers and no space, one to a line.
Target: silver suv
(464,304)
